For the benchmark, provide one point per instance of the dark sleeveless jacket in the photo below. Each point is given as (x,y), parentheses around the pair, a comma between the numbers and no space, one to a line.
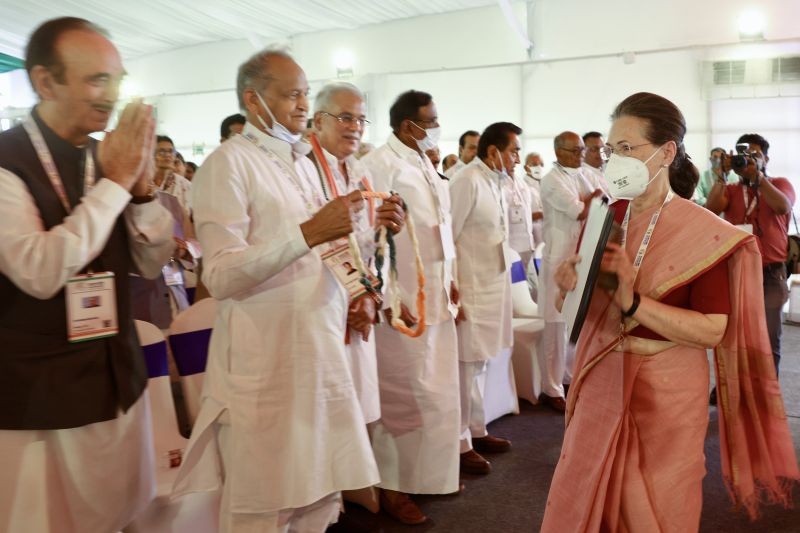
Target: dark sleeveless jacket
(47,382)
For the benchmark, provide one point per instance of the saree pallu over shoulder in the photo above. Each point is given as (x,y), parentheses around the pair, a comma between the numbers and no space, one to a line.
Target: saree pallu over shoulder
(757,454)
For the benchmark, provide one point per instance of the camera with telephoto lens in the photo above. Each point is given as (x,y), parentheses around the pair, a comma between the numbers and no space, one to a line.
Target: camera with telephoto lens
(739,161)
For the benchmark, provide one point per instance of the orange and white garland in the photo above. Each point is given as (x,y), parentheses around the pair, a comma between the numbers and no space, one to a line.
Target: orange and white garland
(385,239)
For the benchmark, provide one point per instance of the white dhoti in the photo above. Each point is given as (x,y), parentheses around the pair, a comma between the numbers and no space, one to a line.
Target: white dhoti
(93,478)
(556,356)
(472,378)
(416,441)
(313,518)
(362,360)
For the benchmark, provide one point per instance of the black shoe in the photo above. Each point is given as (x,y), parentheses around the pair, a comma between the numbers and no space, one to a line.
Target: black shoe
(712,399)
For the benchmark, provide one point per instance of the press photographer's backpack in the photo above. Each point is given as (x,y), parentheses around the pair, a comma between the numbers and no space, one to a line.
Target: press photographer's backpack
(793,251)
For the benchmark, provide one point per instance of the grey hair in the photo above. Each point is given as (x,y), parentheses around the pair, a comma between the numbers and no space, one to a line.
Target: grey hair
(253,73)
(323,100)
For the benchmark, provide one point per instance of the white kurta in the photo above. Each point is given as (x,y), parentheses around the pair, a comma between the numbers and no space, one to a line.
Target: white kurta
(277,370)
(561,200)
(416,441)
(480,231)
(360,353)
(450,172)
(535,188)
(595,177)
(519,201)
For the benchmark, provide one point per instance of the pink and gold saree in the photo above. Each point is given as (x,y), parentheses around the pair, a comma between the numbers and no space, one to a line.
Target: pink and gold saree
(632,458)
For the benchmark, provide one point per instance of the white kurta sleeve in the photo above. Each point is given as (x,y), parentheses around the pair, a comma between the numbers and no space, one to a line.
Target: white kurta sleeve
(231,264)
(39,261)
(561,197)
(463,195)
(150,228)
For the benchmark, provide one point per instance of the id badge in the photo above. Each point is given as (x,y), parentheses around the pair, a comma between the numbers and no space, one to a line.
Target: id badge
(172,274)
(517,216)
(446,236)
(91,307)
(340,262)
(747,227)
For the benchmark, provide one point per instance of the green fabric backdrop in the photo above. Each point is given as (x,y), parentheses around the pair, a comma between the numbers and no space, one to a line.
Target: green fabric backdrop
(8,62)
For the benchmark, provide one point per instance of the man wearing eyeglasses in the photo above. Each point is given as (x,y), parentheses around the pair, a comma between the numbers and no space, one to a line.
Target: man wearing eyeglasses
(338,124)
(158,300)
(416,441)
(566,192)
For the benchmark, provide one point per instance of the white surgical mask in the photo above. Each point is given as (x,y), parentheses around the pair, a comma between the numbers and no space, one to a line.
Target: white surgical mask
(431,139)
(628,177)
(278,130)
(536,172)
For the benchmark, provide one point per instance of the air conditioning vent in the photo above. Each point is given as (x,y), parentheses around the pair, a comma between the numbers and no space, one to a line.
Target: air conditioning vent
(786,69)
(728,72)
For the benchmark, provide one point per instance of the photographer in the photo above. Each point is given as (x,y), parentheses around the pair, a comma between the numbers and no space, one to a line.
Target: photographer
(761,205)
(711,176)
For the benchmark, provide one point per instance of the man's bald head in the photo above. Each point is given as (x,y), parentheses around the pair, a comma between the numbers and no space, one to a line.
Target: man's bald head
(569,149)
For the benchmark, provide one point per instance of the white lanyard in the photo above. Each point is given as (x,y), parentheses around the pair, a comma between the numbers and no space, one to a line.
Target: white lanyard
(637,262)
(43,152)
(498,198)
(312,198)
(748,205)
(516,193)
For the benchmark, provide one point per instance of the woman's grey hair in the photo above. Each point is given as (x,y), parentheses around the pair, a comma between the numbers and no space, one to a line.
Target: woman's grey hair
(254,73)
(323,100)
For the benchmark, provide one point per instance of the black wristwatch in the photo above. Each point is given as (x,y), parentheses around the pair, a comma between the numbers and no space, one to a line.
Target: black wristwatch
(634,306)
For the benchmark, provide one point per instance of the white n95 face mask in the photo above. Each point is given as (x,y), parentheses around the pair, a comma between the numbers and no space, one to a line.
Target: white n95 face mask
(431,139)
(628,177)
(278,130)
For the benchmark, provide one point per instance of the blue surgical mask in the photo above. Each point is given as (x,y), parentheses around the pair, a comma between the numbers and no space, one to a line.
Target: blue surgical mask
(278,130)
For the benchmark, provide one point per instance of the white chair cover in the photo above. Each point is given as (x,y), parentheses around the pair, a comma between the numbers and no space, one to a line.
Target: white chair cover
(189,335)
(197,513)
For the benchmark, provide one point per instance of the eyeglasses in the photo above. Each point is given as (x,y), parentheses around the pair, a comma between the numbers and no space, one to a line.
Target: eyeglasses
(574,150)
(432,121)
(348,120)
(165,152)
(623,150)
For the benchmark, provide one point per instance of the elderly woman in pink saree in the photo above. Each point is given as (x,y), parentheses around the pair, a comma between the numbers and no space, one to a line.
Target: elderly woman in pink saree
(632,458)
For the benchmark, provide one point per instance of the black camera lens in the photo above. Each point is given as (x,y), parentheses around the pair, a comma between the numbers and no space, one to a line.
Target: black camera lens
(738,162)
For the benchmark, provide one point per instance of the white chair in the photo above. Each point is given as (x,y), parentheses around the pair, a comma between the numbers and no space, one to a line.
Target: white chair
(198,513)
(189,335)
(528,326)
(500,391)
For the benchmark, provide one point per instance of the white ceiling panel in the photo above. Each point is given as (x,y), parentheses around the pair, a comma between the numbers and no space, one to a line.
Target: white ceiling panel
(140,27)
